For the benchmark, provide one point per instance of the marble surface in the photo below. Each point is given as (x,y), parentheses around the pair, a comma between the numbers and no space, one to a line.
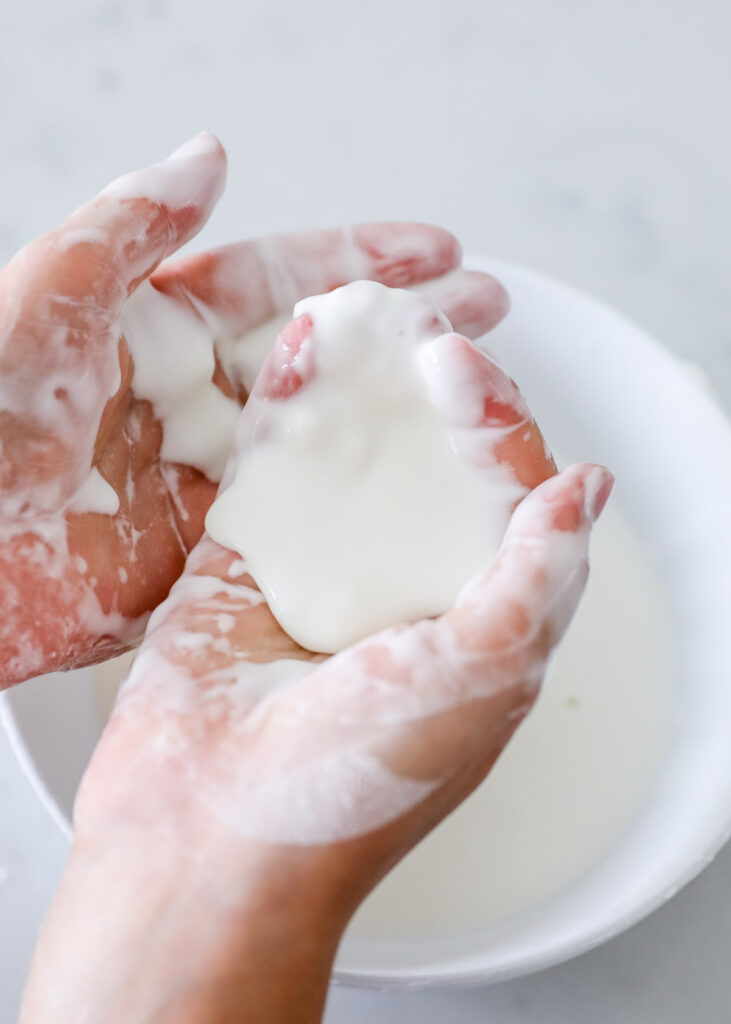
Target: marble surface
(588,140)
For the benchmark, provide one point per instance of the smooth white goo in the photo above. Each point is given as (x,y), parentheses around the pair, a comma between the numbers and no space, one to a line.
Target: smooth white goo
(351,507)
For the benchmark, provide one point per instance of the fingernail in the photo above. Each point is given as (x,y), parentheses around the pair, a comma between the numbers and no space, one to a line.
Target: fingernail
(203,142)
(598,484)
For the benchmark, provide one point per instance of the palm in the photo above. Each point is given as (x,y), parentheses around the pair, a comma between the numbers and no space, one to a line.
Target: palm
(79,585)
(250,737)
(221,681)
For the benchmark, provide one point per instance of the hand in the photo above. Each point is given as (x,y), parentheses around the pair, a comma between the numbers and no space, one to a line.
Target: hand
(78,586)
(247,782)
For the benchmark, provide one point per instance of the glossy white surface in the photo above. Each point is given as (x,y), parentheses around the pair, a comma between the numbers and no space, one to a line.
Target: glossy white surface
(378,476)
(587,140)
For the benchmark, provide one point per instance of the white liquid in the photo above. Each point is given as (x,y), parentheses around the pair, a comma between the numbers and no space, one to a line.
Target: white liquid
(356,511)
(571,781)
(174,364)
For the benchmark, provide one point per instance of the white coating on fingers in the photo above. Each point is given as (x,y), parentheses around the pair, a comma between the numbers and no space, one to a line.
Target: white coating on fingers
(171,181)
(289,281)
(48,411)
(60,362)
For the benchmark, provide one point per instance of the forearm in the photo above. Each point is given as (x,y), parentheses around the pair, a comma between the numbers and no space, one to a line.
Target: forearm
(144,935)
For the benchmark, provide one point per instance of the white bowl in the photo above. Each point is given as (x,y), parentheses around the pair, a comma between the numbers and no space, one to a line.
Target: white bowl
(603,391)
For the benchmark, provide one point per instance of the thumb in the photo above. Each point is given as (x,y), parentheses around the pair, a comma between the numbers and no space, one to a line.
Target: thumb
(103,250)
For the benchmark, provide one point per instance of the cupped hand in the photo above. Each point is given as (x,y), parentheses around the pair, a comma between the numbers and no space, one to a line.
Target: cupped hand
(226,726)
(95,524)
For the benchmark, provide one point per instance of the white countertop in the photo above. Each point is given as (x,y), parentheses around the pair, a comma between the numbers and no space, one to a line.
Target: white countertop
(588,140)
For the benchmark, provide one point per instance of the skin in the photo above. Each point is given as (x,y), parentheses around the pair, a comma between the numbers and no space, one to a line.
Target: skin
(174,907)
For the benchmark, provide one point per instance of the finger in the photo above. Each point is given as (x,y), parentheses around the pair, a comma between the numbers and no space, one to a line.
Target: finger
(489,417)
(96,257)
(527,598)
(246,284)
(472,301)
(291,362)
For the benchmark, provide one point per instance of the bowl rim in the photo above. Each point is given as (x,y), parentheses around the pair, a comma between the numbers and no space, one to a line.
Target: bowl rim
(11,724)
(530,961)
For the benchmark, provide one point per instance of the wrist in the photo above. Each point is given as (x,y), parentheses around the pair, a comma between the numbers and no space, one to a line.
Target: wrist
(143,930)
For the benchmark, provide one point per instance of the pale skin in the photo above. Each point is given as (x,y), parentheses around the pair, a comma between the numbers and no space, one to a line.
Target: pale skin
(175,907)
